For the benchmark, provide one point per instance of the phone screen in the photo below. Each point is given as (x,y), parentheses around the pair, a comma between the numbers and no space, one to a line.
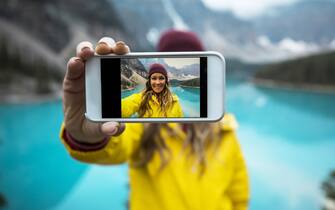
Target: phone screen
(154,87)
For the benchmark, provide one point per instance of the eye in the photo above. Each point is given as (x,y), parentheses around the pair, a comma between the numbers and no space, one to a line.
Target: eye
(161,78)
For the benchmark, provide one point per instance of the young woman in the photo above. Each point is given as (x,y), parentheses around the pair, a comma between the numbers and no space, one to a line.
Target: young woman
(156,100)
(171,166)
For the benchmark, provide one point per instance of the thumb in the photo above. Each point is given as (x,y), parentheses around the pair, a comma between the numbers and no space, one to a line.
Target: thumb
(112,128)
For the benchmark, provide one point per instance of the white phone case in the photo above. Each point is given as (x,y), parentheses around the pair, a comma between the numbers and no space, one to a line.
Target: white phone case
(215,86)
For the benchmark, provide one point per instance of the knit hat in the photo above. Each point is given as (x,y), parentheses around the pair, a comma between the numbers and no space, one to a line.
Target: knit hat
(178,40)
(157,68)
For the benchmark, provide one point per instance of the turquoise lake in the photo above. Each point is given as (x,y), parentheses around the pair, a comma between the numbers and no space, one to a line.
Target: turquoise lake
(288,140)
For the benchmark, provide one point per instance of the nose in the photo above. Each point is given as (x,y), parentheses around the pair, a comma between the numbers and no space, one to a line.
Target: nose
(157,82)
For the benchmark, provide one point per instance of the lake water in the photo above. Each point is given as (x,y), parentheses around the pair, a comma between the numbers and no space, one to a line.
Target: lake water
(288,139)
(189,99)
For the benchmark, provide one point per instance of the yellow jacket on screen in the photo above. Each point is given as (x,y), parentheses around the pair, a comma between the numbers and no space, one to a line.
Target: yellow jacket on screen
(131,105)
(178,186)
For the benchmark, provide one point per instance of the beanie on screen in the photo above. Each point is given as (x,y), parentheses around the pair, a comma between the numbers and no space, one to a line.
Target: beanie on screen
(157,68)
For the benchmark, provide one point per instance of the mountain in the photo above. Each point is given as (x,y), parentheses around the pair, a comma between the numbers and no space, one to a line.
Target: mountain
(316,71)
(220,31)
(200,19)
(54,23)
(19,76)
(144,20)
(50,30)
(192,70)
(37,37)
(60,24)
(133,73)
(235,69)
(194,82)
(186,71)
(148,62)
(283,33)
(308,21)
(130,66)
(191,83)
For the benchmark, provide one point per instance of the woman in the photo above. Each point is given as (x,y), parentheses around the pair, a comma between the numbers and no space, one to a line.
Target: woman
(156,100)
(171,166)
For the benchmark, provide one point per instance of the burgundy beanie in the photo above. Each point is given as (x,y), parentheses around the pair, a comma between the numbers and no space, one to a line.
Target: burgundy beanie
(177,40)
(158,68)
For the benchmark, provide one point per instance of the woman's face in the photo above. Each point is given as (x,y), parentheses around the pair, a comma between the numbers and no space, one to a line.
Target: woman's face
(157,82)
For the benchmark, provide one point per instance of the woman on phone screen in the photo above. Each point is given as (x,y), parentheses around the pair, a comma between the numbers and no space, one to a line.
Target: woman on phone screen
(156,100)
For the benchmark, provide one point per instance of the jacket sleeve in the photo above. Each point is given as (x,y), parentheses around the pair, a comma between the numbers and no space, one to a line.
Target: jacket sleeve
(131,104)
(238,189)
(116,150)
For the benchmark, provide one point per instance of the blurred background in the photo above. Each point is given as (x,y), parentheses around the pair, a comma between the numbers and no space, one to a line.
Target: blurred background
(280,58)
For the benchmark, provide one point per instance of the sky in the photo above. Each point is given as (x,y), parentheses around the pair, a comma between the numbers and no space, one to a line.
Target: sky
(181,62)
(246,8)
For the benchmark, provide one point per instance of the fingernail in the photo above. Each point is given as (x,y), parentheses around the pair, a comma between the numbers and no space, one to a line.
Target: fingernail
(112,131)
(110,128)
(107,40)
(74,60)
(83,45)
(85,48)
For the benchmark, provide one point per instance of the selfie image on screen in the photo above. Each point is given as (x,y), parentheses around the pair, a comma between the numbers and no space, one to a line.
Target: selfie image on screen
(154,88)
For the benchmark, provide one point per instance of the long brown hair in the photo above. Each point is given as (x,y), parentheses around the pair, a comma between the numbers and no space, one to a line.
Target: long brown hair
(199,137)
(165,99)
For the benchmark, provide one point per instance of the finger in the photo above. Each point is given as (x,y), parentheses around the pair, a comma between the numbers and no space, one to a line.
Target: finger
(105,46)
(84,50)
(75,68)
(74,77)
(121,48)
(112,128)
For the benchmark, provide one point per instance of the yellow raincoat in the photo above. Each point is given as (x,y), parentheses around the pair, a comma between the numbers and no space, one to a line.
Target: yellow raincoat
(131,104)
(224,184)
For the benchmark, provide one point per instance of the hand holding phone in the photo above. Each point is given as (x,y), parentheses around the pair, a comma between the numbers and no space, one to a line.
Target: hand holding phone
(75,122)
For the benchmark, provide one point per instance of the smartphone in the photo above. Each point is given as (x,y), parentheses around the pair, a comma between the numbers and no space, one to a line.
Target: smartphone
(155,87)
